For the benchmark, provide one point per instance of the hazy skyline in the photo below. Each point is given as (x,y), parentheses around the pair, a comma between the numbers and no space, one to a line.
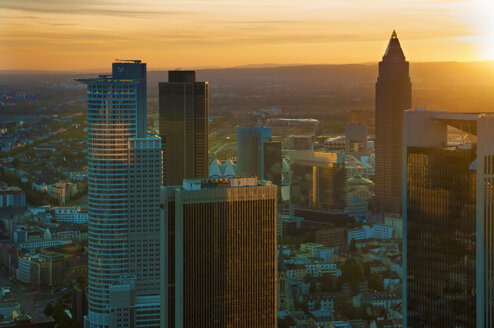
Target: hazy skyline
(75,35)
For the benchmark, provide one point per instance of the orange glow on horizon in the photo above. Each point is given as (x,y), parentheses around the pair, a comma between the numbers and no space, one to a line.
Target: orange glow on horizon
(88,35)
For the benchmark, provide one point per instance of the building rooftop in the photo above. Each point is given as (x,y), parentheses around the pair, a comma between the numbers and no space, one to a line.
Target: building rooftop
(226,182)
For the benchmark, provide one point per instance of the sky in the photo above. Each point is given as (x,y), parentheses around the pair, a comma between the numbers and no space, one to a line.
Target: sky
(90,34)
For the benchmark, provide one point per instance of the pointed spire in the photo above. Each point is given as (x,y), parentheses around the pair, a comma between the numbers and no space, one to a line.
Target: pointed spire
(394,51)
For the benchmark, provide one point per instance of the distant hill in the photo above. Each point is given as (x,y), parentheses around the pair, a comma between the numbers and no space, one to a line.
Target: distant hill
(312,89)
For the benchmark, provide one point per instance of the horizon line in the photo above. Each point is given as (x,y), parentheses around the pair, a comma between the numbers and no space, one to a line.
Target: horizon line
(246,66)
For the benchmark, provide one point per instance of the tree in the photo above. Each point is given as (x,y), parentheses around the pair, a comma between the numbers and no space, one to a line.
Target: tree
(353,246)
(312,287)
(286,322)
(326,283)
(367,270)
(352,271)
(48,309)
(9,178)
(375,282)
(302,306)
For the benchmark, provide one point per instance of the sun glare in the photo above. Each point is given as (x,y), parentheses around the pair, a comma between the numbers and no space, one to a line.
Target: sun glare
(483,20)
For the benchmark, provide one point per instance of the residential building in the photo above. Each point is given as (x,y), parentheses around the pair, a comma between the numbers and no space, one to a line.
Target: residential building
(183,125)
(317,269)
(41,270)
(310,247)
(331,238)
(393,96)
(12,197)
(70,214)
(377,231)
(219,254)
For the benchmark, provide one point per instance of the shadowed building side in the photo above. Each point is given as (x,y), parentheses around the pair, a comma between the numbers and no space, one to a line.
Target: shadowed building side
(183,124)
(393,96)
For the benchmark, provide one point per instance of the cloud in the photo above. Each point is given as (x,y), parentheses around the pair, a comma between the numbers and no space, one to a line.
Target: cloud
(71,7)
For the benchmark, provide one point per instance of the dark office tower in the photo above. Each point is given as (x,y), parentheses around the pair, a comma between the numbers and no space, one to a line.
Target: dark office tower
(447,227)
(393,96)
(184,110)
(272,162)
(218,254)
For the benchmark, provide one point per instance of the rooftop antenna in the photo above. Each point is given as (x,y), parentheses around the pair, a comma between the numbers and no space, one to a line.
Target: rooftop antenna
(137,61)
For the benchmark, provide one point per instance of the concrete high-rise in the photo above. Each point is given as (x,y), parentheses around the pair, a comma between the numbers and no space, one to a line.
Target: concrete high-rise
(124,180)
(219,254)
(183,124)
(393,96)
(447,219)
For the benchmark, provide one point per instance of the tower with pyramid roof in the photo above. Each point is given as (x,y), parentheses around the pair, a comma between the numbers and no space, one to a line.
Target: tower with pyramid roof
(393,96)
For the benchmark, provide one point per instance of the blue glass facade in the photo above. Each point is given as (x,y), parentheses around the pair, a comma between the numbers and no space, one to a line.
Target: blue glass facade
(116,112)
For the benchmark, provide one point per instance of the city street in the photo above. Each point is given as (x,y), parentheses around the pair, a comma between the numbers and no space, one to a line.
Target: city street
(33,300)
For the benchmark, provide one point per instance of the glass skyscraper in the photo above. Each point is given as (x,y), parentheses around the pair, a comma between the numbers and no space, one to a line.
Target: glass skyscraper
(120,198)
(183,124)
(447,227)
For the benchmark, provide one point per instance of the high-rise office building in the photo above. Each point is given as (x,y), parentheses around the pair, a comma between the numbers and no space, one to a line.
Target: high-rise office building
(250,150)
(272,162)
(183,124)
(124,180)
(219,253)
(447,219)
(318,184)
(356,135)
(393,96)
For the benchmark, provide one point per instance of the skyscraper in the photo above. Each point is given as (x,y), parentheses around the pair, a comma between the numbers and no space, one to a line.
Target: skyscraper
(272,162)
(447,219)
(183,123)
(250,149)
(318,186)
(393,96)
(124,179)
(219,253)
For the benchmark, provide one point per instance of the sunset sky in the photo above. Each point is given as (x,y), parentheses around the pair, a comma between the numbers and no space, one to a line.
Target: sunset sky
(90,34)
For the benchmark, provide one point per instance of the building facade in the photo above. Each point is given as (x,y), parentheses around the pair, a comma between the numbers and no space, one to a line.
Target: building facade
(219,254)
(446,221)
(393,96)
(12,197)
(70,214)
(317,182)
(183,125)
(251,143)
(120,197)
